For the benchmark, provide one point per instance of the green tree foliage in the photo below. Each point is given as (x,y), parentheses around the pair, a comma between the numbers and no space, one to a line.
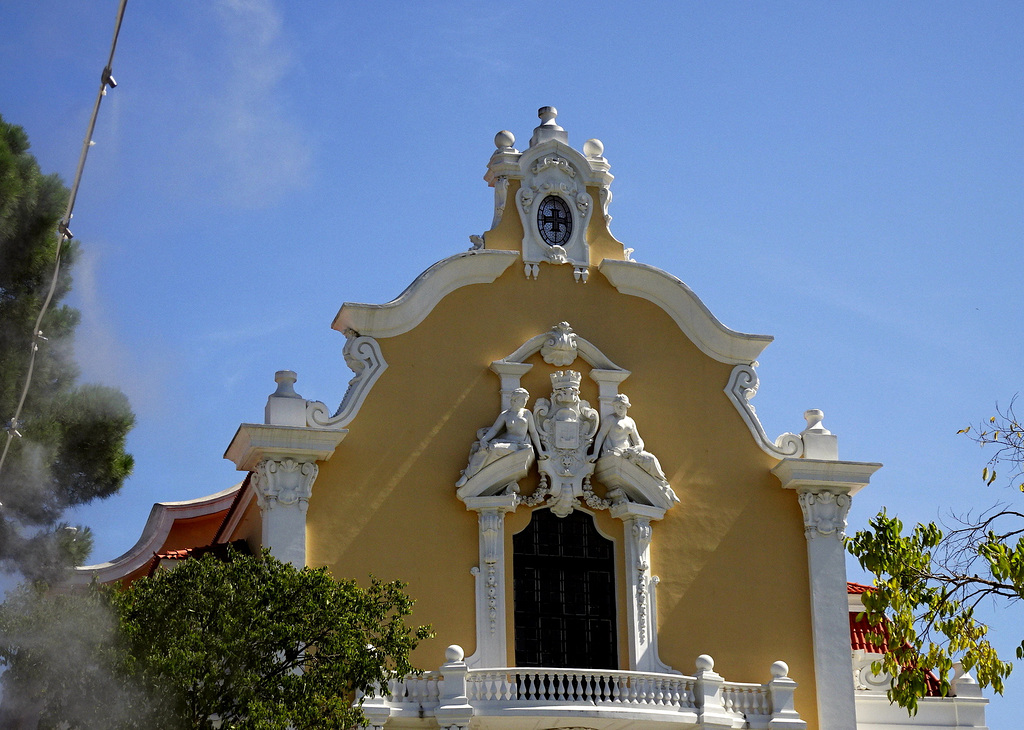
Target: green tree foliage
(73,436)
(929,583)
(247,642)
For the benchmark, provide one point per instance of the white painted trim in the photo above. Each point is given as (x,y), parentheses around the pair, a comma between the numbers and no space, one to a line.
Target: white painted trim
(743,384)
(363,356)
(161,518)
(824,488)
(585,349)
(254,442)
(414,304)
(687,310)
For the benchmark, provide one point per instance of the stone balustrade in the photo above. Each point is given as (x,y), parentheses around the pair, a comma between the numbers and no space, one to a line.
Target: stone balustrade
(455,694)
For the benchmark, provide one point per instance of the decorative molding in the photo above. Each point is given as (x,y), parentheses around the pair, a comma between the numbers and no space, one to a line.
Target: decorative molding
(641,610)
(414,304)
(254,442)
(583,347)
(551,179)
(864,679)
(825,513)
(687,310)
(284,482)
(363,356)
(489,579)
(741,388)
(560,348)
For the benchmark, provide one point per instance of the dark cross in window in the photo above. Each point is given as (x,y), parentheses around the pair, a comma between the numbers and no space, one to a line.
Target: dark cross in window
(554,221)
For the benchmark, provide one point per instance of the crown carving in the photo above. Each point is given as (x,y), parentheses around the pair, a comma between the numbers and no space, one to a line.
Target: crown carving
(565,379)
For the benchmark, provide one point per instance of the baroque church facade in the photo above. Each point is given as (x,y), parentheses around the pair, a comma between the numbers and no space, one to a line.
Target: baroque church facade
(554,446)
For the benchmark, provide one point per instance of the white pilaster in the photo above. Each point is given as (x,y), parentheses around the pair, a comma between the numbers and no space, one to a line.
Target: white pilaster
(491,644)
(641,610)
(824,488)
(282,455)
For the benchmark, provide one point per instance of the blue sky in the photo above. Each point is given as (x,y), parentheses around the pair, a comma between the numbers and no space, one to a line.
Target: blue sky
(846,177)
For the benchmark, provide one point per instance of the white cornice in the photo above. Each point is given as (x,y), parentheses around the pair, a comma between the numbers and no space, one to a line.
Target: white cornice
(161,518)
(256,441)
(419,299)
(809,474)
(686,309)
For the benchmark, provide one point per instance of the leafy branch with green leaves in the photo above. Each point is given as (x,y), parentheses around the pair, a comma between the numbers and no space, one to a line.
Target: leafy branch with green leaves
(928,584)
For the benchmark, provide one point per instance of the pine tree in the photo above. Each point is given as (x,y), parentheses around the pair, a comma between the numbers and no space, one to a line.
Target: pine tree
(71,448)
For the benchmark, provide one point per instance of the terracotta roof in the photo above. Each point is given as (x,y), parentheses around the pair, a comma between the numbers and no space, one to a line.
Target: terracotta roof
(861,638)
(220,550)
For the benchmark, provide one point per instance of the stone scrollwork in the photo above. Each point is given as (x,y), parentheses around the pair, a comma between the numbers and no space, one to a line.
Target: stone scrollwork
(560,348)
(825,513)
(741,388)
(642,536)
(362,354)
(553,161)
(284,482)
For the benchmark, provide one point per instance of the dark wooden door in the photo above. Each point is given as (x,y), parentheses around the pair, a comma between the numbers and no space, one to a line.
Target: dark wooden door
(564,582)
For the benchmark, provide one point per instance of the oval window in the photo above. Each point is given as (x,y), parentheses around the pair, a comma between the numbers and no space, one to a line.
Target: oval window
(554,220)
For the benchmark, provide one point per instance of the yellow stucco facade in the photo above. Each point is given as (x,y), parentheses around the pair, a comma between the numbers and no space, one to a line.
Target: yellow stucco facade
(731,556)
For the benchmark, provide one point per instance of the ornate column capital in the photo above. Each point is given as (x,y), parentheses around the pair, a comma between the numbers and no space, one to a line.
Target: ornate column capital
(285,482)
(824,511)
(824,488)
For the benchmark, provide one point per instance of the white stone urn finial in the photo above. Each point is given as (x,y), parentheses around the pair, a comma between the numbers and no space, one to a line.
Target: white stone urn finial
(285,380)
(285,407)
(548,128)
(593,148)
(814,417)
(504,140)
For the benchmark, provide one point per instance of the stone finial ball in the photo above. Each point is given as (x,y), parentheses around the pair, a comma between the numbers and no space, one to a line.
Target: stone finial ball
(504,139)
(454,653)
(547,113)
(780,670)
(705,663)
(593,148)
